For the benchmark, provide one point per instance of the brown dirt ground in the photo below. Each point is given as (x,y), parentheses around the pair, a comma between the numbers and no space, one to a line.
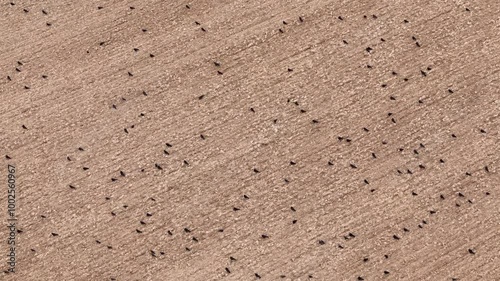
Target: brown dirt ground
(444,117)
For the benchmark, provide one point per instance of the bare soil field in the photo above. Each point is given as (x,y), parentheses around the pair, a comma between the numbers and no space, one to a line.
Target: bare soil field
(250,140)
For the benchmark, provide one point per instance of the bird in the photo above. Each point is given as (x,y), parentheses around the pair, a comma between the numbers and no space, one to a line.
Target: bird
(353,166)
(130,74)
(122,173)
(219,72)
(54,234)
(301,19)
(257,275)
(227,270)
(418,44)
(151,55)
(158,167)
(255,170)
(8,78)
(186,163)
(187,230)
(72,187)
(340,18)
(369,49)
(44,12)
(264,236)
(395,237)
(24,127)
(471,251)
(321,242)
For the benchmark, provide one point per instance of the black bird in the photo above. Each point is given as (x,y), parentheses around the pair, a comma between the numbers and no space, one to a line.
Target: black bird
(187,230)
(365,259)
(292,163)
(281,30)
(158,167)
(25,10)
(24,127)
(130,74)
(227,270)
(301,19)
(330,163)
(418,44)
(144,30)
(369,49)
(219,72)
(414,193)
(44,76)
(232,259)
(85,168)
(395,237)
(353,166)
(8,78)
(113,179)
(122,173)
(373,155)
(18,70)
(285,23)
(482,131)
(201,97)
(216,63)
(264,236)
(321,242)
(366,181)
(386,272)
(197,23)
(168,144)
(245,196)
(340,18)
(44,12)
(136,50)
(151,55)
(292,208)
(54,234)
(138,231)
(423,73)
(132,8)
(257,275)
(126,131)
(252,110)
(290,69)
(471,251)
(486,169)
(186,163)
(315,121)
(203,29)
(187,6)
(202,136)
(345,42)
(255,170)
(294,221)
(235,209)
(360,278)
(72,187)
(169,232)
(101,43)
(374,16)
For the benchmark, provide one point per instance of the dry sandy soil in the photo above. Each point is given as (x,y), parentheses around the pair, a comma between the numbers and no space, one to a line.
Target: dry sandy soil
(251,140)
